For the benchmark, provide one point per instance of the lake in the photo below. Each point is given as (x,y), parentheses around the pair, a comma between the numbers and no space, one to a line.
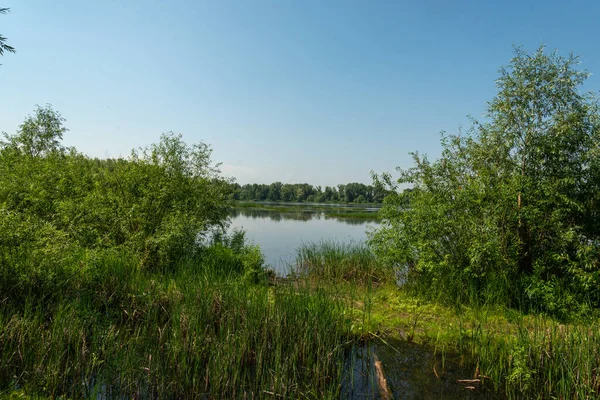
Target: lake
(281,228)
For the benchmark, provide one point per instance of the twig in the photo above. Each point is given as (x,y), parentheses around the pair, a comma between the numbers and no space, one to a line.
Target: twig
(273,393)
(469,381)
(384,390)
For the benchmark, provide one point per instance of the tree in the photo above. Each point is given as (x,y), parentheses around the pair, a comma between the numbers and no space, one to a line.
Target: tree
(3,46)
(331,193)
(30,163)
(379,192)
(511,208)
(275,191)
(155,205)
(40,134)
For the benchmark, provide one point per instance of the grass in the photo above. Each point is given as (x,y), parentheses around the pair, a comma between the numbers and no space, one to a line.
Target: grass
(204,328)
(352,214)
(341,262)
(518,355)
(190,332)
(507,352)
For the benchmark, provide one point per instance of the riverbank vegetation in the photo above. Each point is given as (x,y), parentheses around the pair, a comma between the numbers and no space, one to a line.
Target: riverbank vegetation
(307,211)
(118,277)
(501,241)
(498,351)
(196,331)
(331,261)
(303,192)
(504,352)
(509,213)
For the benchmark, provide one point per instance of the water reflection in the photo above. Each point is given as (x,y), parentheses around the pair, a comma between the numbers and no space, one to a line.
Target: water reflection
(280,233)
(411,371)
(272,215)
(345,216)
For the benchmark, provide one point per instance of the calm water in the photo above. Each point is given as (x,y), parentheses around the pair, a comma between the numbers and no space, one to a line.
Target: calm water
(412,371)
(279,234)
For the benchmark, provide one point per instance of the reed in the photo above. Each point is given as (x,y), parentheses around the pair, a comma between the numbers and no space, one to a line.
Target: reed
(510,353)
(188,332)
(341,262)
(540,358)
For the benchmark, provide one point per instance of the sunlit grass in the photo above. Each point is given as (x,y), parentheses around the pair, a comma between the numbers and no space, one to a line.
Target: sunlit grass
(189,333)
(519,355)
(341,262)
(200,330)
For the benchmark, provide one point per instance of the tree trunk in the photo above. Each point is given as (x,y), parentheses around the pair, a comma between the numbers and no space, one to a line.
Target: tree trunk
(525,259)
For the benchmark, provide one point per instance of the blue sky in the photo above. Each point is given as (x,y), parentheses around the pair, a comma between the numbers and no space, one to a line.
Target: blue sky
(293,91)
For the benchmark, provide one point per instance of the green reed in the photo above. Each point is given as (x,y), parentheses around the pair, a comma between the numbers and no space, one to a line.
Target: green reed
(342,262)
(526,356)
(541,358)
(189,332)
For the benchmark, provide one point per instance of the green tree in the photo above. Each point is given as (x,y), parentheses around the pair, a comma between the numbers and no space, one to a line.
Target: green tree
(39,134)
(288,193)
(274,191)
(342,193)
(3,46)
(510,209)
(379,192)
(330,194)
(30,172)
(155,204)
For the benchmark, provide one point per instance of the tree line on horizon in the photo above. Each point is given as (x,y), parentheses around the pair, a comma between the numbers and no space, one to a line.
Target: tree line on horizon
(353,192)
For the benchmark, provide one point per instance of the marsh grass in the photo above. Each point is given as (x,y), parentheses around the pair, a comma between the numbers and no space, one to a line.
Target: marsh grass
(367,215)
(514,354)
(187,333)
(341,262)
(204,328)
(539,357)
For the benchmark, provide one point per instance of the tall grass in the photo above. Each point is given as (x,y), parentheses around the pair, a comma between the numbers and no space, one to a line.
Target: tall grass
(516,355)
(334,261)
(186,333)
(536,357)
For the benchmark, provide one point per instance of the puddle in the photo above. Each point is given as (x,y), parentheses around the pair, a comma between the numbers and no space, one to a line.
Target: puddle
(394,369)
(405,370)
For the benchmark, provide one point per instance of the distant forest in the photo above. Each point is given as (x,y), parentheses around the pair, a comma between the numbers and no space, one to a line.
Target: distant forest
(303,192)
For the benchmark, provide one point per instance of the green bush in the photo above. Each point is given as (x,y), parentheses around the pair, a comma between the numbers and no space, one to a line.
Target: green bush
(509,213)
(157,203)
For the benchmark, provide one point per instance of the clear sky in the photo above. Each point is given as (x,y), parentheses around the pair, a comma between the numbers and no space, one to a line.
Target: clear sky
(317,91)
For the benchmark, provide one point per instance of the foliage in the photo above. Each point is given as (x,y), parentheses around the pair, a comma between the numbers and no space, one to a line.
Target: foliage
(341,262)
(509,213)
(303,192)
(117,280)
(39,135)
(157,203)
(192,331)
(518,356)
(3,46)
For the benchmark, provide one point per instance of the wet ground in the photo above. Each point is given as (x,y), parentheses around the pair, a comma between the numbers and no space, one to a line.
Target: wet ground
(399,369)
